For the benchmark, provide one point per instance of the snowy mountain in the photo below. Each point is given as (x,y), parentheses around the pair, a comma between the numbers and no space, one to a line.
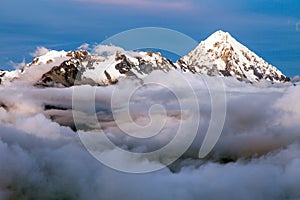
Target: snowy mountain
(221,55)
(6,76)
(64,69)
(83,67)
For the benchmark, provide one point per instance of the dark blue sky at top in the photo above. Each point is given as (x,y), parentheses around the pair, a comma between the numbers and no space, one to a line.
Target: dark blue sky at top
(266,27)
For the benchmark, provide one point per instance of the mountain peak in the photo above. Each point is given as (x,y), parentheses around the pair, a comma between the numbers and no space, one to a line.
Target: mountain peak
(219,35)
(219,38)
(220,32)
(221,55)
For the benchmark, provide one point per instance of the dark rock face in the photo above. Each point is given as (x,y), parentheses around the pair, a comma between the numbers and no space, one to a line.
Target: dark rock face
(258,74)
(2,73)
(185,67)
(124,66)
(4,106)
(111,81)
(64,74)
(285,78)
(68,73)
(225,72)
(144,66)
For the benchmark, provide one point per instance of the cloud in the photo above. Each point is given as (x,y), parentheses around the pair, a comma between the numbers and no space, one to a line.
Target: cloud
(297,26)
(39,51)
(296,78)
(107,50)
(174,5)
(257,156)
(18,65)
(84,46)
(289,106)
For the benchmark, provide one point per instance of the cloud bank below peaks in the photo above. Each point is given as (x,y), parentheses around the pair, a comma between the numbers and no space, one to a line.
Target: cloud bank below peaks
(257,156)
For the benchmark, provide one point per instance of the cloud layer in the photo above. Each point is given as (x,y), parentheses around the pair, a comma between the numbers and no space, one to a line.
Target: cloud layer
(257,156)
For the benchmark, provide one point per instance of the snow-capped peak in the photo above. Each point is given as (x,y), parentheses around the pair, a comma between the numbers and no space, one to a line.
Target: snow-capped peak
(49,57)
(222,55)
(219,36)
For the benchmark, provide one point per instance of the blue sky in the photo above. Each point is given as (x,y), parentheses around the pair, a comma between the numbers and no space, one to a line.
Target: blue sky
(267,27)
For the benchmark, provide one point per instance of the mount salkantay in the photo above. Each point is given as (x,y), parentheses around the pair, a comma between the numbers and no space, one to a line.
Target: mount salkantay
(219,55)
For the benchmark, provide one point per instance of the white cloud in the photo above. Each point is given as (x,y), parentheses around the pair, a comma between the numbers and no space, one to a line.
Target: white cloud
(289,106)
(39,158)
(39,51)
(296,78)
(297,26)
(18,65)
(84,46)
(107,50)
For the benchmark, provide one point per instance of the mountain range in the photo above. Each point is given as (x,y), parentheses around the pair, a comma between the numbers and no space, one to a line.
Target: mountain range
(219,55)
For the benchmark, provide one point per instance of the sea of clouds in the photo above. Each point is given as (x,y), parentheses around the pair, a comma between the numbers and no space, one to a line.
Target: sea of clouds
(256,157)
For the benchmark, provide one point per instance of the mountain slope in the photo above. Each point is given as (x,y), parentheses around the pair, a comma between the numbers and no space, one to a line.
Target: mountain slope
(221,55)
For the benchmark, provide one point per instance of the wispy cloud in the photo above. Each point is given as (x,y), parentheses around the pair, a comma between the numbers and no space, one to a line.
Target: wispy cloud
(85,46)
(164,4)
(17,65)
(39,51)
(297,25)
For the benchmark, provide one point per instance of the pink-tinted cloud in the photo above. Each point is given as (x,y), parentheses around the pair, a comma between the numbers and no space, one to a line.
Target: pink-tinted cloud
(176,5)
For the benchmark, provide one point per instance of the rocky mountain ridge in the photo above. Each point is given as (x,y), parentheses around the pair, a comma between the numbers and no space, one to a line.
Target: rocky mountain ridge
(219,55)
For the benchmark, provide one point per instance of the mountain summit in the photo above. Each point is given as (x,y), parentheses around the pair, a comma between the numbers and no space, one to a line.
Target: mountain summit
(222,55)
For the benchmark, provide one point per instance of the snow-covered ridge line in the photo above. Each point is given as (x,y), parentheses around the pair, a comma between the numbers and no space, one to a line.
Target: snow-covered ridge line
(219,55)
(86,68)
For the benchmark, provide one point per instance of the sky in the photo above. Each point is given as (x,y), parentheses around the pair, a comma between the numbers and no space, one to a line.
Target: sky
(269,28)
